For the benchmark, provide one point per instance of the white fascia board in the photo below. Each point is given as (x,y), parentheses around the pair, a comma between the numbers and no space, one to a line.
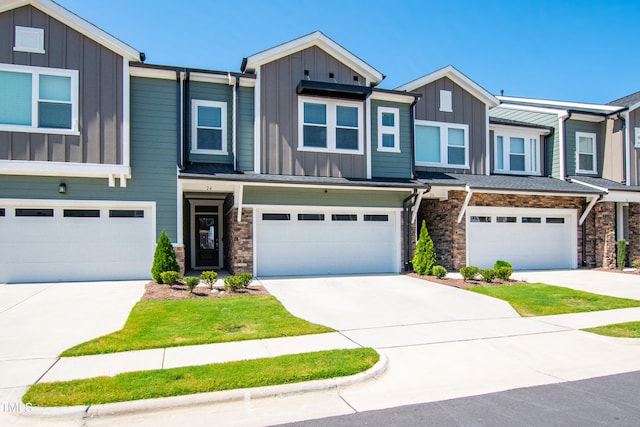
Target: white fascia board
(74,21)
(152,73)
(588,117)
(577,181)
(459,78)
(196,185)
(633,107)
(35,168)
(531,193)
(622,196)
(557,112)
(520,129)
(561,104)
(392,97)
(247,82)
(212,78)
(314,39)
(78,203)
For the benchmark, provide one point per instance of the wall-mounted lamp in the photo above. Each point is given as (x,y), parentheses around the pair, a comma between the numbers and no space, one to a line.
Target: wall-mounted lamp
(62,188)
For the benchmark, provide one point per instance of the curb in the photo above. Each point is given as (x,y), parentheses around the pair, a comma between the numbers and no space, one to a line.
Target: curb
(148,405)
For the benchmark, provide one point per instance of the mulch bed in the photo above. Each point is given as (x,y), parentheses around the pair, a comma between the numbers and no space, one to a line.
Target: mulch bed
(459,283)
(155,291)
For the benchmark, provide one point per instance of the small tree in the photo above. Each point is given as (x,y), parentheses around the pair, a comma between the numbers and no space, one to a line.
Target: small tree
(164,259)
(621,254)
(425,257)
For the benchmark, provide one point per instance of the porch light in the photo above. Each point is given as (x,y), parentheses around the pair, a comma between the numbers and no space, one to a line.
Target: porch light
(62,188)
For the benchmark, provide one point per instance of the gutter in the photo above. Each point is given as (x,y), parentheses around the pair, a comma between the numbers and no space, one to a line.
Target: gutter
(407,241)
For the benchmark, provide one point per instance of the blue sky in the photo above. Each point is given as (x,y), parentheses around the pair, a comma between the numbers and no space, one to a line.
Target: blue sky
(566,50)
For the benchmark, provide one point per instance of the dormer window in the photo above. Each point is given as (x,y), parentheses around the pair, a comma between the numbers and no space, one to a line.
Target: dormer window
(29,40)
(586,152)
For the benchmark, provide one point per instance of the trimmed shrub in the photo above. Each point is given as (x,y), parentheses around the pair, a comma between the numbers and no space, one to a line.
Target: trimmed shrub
(501,263)
(425,257)
(245,278)
(469,272)
(169,277)
(164,258)
(488,274)
(621,258)
(503,273)
(191,282)
(209,277)
(239,281)
(636,263)
(439,271)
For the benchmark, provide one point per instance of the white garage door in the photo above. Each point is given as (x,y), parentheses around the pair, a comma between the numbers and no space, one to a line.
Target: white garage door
(527,238)
(75,242)
(295,242)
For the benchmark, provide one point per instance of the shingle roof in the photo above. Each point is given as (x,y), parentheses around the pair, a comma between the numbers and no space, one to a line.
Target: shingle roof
(505,182)
(605,183)
(626,101)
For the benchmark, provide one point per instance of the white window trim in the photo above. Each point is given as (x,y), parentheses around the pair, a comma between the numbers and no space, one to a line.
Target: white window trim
(595,152)
(446,101)
(331,125)
(389,130)
(637,137)
(195,103)
(20,31)
(444,127)
(506,151)
(35,97)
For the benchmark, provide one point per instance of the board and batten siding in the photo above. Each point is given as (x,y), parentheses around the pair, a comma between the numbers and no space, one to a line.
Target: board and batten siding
(336,197)
(573,126)
(386,164)
(467,109)
(613,160)
(551,165)
(279,117)
(542,160)
(100,108)
(634,122)
(244,136)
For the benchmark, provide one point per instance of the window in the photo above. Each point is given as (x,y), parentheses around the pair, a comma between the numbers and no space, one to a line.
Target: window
(506,219)
(442,144)
(276,217)
(517,154)
(29,40)
(34,212)
(446,104)
(125,213)
(81,213)
(209,127)
(1,211)
(485,219)
(344,217)
(376,218)
(586,152)
(555,221)
(637,137)
(531,220)
(35,99)
(334,126)
(388,129)
(310,217)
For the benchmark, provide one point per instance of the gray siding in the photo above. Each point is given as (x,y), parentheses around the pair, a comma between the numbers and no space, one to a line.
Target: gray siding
(279,117)
(613,161)
(244,136)
(100,93)
(386,164)
(550,152)
(467,109)
(634,122)
(154,122)
(573,126)
(541,138)
(320,197)
(211,92)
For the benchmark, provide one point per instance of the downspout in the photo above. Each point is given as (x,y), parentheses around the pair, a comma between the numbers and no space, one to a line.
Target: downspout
(186,114)
(181,121)
(627,139)
(581,223)
(236,113)
(584,237)
(407,203)
(563,138)
(412,120)
(232,82)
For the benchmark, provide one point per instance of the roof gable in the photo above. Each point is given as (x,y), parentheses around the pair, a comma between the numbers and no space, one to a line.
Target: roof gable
(458,78)
(320,40)
(74,21)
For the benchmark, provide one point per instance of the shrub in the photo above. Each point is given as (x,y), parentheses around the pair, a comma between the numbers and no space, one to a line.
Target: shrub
(636,263)
(191,282)
(488,274)
(425,257)
(501,263)
(169,277)
(209,277)
(621,257)
(233,283)
(468,273)
(504,272)
(439,271)
(164,258)
(245,278)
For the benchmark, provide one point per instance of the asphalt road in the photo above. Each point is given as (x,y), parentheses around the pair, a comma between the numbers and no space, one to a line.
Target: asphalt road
(605,401)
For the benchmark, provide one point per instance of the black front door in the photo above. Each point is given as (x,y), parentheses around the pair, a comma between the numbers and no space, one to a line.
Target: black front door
(207,248)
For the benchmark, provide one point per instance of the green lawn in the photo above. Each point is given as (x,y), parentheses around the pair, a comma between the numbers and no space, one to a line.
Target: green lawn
(201,379)
(622,330)
(538,299)
(157,324)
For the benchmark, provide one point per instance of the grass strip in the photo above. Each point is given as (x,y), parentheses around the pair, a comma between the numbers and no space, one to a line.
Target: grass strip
(620,330)
(201,379)
(159,324)
(539,299)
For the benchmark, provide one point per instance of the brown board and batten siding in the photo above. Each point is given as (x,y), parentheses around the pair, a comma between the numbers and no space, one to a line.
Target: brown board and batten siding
(634,122)
(100,83)
(467,109)
(279,121)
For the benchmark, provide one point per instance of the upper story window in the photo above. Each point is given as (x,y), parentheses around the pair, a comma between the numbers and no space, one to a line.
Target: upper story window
(330,125)
(389,129)
(209,130)
(517,153)
(29,39)
(36,99)
(586,152)
(442,144)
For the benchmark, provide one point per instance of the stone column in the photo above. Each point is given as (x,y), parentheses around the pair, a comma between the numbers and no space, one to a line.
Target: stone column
(633,249)
(239,241)
(180,257)
(605,230)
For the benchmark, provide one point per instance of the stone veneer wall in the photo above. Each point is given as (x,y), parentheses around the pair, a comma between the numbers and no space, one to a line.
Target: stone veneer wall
(633,250)
(180,257)
(449,237)
(238,241)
